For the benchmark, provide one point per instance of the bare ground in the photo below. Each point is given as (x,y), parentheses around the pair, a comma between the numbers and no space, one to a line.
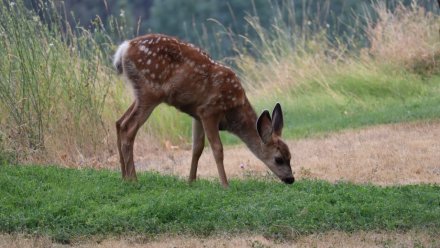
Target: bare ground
(330,239)
(384,155)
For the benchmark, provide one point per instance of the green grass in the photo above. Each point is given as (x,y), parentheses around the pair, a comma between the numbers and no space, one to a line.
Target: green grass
(69,203)
(356,102)
(353,100)
(49,76)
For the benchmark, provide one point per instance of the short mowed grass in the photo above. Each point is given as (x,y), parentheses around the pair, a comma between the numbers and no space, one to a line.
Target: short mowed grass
(68,203)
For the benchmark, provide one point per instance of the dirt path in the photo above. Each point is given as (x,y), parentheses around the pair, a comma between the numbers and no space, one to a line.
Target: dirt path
(384,155)
(331,239)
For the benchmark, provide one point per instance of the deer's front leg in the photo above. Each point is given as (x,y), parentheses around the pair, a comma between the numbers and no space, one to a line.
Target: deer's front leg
(211,129)
(198,138)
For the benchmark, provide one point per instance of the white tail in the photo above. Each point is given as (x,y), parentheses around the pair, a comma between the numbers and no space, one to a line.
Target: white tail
(117,59)
(162,69)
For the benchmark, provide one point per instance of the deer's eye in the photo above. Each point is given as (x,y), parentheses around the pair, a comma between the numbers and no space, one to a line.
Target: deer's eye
(279,160)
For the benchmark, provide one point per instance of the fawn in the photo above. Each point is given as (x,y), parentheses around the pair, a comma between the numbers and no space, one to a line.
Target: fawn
(163,69)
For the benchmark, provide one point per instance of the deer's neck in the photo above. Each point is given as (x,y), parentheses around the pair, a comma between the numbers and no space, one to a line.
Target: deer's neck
(242,122)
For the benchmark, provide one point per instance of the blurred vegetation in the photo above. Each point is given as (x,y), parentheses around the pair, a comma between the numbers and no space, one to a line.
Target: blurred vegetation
(202,22)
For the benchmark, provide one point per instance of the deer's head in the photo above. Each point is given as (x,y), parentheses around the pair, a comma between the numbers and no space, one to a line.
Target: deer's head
(275,153)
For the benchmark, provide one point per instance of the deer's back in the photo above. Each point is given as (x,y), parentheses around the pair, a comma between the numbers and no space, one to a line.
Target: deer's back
(180,74)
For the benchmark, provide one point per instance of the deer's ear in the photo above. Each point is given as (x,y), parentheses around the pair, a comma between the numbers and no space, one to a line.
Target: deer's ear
(277,120)
(264,127)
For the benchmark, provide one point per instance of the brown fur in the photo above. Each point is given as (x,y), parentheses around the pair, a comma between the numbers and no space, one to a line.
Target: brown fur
(162,69)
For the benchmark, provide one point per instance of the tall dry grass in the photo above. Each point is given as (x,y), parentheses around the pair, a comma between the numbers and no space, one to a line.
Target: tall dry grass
(407,37)
(54,86)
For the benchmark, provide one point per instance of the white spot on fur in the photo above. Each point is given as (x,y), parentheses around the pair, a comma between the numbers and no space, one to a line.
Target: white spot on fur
(191,63)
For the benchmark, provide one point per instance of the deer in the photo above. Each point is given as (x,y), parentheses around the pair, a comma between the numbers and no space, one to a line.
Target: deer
(164,69)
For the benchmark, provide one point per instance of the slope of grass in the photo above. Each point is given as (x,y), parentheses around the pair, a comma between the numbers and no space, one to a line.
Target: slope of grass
(66,203)
(353,100)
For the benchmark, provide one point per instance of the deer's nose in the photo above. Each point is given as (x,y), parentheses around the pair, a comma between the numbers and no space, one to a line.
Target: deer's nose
(289,180)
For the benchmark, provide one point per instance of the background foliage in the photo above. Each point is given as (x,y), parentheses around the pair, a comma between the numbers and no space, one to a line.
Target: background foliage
(332,64)
(203,22)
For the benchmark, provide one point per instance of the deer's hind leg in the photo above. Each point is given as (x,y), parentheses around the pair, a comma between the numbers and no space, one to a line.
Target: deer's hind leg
(127,128)
(118,129)
(198,143)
